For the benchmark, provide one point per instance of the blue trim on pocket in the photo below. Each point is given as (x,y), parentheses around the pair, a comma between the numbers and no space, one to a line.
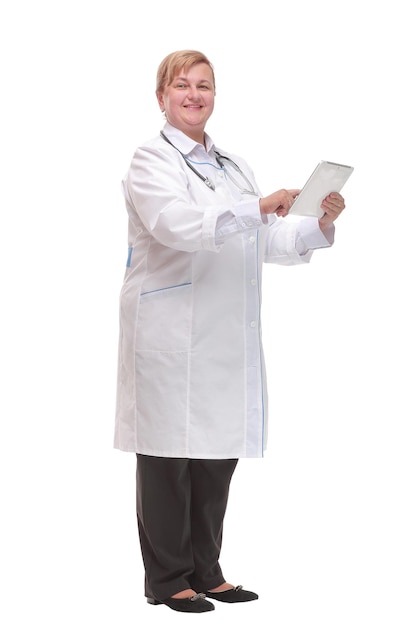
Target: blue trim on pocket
(144,293)
(129,256)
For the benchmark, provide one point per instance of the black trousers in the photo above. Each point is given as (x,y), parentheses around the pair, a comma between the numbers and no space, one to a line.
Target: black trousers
(181,504)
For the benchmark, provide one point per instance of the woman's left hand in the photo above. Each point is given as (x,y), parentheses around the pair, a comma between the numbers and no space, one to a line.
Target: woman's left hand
(332,206)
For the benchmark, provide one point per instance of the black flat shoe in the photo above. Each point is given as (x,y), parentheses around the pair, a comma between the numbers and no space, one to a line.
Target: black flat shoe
(195,604)
(237,594)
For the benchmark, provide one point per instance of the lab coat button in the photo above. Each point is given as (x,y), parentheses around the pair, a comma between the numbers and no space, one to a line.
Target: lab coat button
(253,282)
(252,239)
(253,324)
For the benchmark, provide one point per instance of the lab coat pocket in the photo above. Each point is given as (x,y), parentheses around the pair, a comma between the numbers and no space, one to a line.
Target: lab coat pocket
(164,319)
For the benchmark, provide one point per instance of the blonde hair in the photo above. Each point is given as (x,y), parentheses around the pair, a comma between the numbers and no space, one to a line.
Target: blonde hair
(175,62)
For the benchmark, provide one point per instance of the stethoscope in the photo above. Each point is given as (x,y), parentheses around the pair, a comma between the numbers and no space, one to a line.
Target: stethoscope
(221,159)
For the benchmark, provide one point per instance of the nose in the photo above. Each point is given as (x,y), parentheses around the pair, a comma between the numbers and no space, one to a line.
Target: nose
(193,93)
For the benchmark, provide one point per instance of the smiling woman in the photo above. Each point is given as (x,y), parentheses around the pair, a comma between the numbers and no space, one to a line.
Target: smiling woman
(192,395)
(188,99)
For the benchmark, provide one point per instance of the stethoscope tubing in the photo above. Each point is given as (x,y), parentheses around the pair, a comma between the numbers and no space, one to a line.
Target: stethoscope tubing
(218,156)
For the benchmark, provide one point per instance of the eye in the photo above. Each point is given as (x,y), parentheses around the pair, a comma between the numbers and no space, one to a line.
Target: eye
(180,85)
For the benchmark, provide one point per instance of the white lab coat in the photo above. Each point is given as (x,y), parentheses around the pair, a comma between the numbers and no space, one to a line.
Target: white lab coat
(191,375)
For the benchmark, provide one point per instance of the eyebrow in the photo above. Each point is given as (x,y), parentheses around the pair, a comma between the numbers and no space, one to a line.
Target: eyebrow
(204,80)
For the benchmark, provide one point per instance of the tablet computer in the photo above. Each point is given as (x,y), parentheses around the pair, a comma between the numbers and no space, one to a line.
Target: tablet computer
(327,177)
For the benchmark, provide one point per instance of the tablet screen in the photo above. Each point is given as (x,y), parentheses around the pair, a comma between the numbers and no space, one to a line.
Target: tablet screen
(327,177)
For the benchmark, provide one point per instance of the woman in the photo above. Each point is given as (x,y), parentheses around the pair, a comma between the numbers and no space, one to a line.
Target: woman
(191,385)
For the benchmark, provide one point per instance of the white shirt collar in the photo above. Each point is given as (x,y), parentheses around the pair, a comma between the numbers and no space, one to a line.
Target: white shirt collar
(184,143)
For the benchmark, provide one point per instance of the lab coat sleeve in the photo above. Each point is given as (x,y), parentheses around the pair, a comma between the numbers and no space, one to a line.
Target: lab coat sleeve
(292,243)
(243,216)
(175,209)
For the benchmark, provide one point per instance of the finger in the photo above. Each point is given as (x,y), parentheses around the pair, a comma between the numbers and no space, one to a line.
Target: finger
(335,199)
(335,202)
(281,211)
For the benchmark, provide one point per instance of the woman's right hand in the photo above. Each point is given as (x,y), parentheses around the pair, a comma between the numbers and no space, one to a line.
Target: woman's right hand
(279,202)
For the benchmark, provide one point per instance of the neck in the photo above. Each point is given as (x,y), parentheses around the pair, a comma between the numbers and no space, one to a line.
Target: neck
(195,134)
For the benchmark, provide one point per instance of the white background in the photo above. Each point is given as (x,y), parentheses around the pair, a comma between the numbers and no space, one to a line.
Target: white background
(324,526)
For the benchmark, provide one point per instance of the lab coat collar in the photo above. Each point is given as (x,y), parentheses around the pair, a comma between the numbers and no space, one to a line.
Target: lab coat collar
(184,143)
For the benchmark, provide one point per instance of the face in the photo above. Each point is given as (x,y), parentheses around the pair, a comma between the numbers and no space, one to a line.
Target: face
(188,101)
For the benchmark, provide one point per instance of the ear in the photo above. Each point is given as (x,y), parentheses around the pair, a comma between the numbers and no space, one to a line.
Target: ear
(160,99)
